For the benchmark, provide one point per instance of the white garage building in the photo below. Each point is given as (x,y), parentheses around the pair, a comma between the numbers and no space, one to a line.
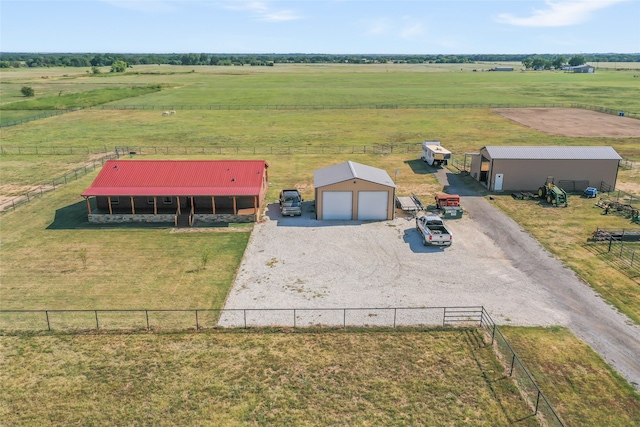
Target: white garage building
(352,191)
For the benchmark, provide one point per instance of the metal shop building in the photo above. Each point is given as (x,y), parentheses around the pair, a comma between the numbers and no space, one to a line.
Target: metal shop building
(508,168)
(352,191)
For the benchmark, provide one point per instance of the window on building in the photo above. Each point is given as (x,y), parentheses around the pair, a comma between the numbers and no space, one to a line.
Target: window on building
(167,200)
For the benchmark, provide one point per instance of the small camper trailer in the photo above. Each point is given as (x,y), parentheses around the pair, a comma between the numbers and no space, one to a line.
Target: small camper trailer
(434,154)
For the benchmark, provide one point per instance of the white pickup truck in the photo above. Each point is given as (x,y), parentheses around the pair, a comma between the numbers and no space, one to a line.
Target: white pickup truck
(433,230)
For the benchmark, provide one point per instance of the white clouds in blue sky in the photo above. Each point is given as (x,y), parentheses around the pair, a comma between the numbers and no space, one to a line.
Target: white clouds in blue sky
(560,13)
(308,26)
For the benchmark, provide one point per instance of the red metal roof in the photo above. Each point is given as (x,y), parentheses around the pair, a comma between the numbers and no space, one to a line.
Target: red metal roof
(179,178)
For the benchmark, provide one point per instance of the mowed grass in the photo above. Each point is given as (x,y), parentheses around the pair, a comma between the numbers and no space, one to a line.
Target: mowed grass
(580,385)
(43,267)
(328,378)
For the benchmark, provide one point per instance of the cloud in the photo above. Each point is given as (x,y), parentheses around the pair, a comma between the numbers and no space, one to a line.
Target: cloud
(559,14)
(262,11)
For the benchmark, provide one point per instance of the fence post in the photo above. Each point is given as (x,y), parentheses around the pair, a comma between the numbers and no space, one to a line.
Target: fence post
(621,243)
(344,318)
(46,313)
(537,401)
(197,324)
(444,316)
(513,360)
(97,324)
(245,318)
(294,318)
(395,310)
(146,313)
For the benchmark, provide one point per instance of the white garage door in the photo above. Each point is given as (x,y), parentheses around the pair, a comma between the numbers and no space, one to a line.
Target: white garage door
(372,205)
(337,205)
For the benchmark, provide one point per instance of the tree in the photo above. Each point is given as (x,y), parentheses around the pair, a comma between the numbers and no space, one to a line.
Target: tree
(559,61)
(118,67)
(528,63)
(27,91)
(577,60)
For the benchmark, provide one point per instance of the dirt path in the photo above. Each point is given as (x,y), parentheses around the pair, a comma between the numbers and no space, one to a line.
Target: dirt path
(611,334)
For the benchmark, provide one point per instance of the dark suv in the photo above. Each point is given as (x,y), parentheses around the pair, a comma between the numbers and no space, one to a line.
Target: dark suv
(290,202)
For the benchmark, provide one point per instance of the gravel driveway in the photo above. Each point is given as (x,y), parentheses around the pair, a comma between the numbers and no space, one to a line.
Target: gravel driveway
(304,263)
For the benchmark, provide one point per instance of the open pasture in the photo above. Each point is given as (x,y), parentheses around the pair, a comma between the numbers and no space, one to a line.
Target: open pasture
(108,378)
(335,85)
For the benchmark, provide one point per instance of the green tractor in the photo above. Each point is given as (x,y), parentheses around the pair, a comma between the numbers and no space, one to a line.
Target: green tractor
(553,194)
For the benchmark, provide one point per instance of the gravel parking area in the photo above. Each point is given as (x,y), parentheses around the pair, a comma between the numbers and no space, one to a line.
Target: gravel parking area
(300,262)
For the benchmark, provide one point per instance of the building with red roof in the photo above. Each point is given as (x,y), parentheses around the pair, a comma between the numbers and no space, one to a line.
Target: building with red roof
(179,191)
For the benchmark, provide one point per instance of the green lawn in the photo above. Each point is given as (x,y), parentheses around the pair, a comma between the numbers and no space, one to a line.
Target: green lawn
(42,267)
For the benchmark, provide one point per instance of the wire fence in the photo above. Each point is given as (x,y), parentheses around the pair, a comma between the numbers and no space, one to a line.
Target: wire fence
(516,369)
(12,204)
(367,106)
(200,319)
(41,115)
(413,147)
(50,149)
(13,321)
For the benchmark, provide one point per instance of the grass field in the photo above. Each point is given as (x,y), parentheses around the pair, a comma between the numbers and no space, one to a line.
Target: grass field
(240,379)
(303,378)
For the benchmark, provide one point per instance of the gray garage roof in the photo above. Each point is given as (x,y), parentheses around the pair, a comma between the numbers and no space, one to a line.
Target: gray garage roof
(350,170)
(553,153)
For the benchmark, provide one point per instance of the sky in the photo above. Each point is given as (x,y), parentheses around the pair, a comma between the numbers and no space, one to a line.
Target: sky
(322,27)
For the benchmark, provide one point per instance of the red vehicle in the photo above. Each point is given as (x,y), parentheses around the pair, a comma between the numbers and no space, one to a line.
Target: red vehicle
(443,200)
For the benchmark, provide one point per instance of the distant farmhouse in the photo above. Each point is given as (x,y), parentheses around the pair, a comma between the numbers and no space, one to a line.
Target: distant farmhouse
(580,69)
(178,191)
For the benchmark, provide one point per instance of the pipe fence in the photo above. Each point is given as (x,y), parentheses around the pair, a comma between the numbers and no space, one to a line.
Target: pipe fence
(12,204)
(12,321)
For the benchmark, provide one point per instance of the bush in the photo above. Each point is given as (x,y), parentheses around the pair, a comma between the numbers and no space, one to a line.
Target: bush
(27,91)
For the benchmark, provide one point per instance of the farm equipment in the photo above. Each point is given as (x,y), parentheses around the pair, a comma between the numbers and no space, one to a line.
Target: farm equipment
(449,205)
(553,194)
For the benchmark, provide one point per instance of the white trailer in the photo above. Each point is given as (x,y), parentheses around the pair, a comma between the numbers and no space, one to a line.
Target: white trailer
(434,154)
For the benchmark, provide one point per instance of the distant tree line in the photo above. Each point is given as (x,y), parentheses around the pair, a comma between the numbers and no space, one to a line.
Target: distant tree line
(541,63)
(8,60)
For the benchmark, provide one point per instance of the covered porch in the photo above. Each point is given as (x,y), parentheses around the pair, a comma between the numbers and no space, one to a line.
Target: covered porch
(180,210)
